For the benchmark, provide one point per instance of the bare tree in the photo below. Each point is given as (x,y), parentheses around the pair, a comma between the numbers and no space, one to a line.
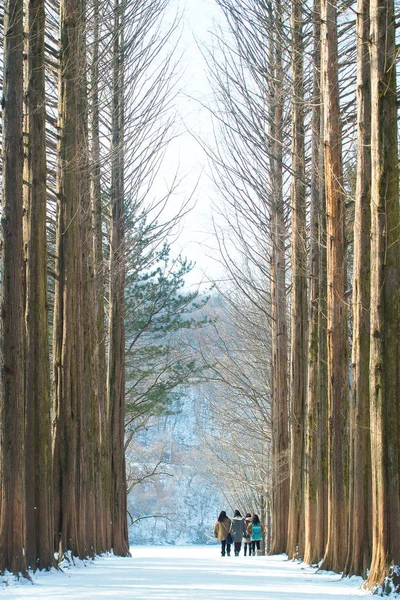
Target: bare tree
(102,475)
(38,477)
(335,555)
(280,435)
(234,419)
(315,490)
(69,404)
(116,353)
(359,547)
(385,317)
(12,501)
(299,317)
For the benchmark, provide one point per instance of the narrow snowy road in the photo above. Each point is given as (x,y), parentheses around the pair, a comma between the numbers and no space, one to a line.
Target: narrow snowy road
(187,573)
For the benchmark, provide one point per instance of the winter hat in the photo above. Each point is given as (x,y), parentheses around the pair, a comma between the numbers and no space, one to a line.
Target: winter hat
(248,515)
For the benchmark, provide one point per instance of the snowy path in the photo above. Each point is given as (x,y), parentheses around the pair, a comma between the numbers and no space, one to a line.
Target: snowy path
(187,573)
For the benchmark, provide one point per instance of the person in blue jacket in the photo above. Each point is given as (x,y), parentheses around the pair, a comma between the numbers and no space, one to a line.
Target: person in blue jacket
(256,530)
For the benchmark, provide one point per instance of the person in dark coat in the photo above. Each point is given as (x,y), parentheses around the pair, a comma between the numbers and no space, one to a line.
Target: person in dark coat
(221,529)
(238,528)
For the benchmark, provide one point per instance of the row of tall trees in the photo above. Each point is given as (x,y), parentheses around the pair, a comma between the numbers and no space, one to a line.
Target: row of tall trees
(83,130)
(317,215)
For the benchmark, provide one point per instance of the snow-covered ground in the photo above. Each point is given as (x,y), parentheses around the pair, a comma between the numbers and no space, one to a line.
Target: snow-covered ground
(186,573)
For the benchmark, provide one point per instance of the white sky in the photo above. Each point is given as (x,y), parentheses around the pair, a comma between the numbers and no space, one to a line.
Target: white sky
(196,238)
(186,573)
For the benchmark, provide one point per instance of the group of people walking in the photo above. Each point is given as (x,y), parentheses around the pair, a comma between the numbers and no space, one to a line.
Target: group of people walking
(239,530)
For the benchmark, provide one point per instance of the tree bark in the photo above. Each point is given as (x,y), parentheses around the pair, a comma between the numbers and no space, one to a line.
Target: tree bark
(39,509)
(116,353)
(359,550)
(298,391)
(315,484)
(336,551)
(322,404)
(12,500)
(103,492)
(89,417)
(67,332)
(385,290)
(280,484)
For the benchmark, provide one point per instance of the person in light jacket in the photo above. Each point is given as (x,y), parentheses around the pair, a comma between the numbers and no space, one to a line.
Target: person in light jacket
(221,529)
(256,530)
(246,541)
(238,528)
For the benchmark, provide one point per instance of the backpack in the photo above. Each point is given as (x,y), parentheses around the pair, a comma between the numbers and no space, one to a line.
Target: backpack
(256,532)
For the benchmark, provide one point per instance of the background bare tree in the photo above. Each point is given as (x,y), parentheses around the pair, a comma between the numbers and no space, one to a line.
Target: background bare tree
(234,419)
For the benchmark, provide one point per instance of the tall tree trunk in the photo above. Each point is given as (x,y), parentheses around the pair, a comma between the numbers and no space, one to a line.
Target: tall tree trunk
(39,509)
(103,490)
(321,517)
(298,390)
(312,550)
(359,550)
(336,551)
(280,493)
(67,333)
(385,290)
(116,353)
(89,417)
(12,500)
